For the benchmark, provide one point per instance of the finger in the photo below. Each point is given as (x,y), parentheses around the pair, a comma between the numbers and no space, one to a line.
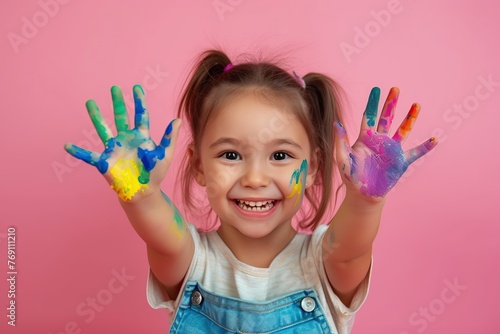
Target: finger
(370,114)
(120,111)
(141,120)
(343,149)
(149,158)
(387,115)
(407,124)
(167,138)
(100,125)
(170,138)
(89,157)
(421,150)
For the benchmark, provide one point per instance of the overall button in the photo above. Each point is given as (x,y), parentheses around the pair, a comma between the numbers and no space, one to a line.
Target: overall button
(308,304)
(196,298)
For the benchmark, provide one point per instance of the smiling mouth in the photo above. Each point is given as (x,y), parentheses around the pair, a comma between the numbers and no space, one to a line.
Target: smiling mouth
(256,206)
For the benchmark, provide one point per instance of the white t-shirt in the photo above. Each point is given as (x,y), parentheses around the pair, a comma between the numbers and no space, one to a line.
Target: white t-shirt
(298,267)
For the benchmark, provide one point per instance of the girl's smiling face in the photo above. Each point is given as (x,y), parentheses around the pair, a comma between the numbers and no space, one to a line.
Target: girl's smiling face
(255,161)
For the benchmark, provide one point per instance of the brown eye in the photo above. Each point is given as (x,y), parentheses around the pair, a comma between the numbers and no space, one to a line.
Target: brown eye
(280,156)
(230,155)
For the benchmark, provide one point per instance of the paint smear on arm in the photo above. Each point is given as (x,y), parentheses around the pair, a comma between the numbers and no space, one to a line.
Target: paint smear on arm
(179,228)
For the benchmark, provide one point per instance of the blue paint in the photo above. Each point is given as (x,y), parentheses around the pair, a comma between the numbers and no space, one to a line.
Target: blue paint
(340,129)
(296,173)
(165,141)
(353,163)
(169,128)
(89,157)
(150,157)
(140,111)
(384,168)
(110,145)
(82,154)
(102,165)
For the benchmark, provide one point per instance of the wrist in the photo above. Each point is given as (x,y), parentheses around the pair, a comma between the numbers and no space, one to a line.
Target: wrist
(362,203)
(141,200)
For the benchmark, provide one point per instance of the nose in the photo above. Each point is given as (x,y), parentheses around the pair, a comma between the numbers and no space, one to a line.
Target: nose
(255,176)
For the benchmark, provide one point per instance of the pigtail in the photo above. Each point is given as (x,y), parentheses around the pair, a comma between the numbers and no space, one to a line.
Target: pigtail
(323,97)
(205,74)
(201,80)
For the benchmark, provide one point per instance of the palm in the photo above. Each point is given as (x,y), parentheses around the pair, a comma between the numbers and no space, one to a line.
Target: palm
(131,162)
(375,163)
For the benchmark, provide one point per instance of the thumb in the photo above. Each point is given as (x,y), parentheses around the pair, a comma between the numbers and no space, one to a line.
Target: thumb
(342,149)
(169,139)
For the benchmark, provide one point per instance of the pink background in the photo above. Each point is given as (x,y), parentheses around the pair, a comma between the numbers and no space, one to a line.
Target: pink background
(440,225)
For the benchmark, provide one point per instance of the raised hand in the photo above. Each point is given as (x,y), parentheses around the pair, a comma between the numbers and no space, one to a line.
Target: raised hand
(375,163)
(131,162)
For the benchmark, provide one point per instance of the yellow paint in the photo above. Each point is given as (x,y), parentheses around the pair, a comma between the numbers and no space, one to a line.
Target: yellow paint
(296,190)
(297,180)
(126,179)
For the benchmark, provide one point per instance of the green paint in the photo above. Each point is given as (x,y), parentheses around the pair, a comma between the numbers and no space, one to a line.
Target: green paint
(140,88)
(144,174)
(98,121)
(372,106)
(121,118)
(179,221)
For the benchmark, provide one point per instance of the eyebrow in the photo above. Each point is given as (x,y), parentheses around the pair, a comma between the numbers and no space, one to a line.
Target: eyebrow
(224,140)
(236,142)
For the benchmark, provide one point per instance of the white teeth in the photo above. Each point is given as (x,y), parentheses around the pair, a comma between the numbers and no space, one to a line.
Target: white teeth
(256,203)
(255,206)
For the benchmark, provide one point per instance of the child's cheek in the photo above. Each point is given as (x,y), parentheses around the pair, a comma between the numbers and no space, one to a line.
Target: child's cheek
(298,182)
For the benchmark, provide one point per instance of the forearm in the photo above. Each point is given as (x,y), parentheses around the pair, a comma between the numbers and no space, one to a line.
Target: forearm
(158,222)
(353,229)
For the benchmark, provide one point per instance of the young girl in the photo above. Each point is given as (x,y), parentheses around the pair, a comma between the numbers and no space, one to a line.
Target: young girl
(262,144)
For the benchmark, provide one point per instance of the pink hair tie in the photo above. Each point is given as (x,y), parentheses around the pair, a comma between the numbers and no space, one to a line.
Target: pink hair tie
(300,81)
(228,67)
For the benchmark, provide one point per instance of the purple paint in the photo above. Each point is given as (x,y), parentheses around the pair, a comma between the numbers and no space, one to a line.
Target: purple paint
(382,169)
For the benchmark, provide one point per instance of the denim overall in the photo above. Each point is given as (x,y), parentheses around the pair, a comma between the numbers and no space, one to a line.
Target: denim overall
(202,312)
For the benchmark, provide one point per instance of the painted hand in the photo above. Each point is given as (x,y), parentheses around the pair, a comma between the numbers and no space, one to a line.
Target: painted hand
(375,163)
(131,162)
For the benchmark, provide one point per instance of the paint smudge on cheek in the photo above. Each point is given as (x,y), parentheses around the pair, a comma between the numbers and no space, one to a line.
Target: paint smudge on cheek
(298,180)
(127,175)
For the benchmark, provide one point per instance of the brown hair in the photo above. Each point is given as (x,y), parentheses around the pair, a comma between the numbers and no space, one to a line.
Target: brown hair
(317,107)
